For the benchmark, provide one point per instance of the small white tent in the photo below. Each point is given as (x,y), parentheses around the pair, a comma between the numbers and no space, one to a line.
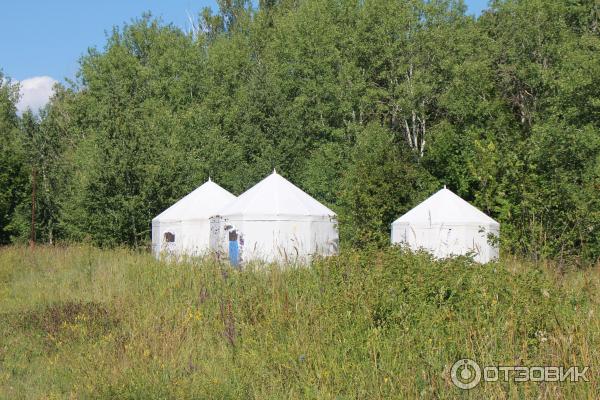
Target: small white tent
(447,225)
(275,221)
(184,228)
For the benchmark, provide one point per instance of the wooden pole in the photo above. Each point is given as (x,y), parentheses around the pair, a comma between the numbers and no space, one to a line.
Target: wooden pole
(33,184)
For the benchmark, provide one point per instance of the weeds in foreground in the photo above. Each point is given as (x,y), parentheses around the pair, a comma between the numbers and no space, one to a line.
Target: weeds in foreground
(80,322)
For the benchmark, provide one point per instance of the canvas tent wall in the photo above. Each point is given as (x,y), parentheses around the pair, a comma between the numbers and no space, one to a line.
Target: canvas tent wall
(184,228)
(275,221)
(446,225)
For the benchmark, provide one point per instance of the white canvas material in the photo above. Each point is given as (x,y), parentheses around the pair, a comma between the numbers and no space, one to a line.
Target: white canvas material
(277,222)
(189,221)
(446,225)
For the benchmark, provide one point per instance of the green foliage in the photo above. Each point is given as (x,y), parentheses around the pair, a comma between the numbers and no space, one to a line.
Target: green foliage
(368,106)
(86,323)
(380,184)
(561,198)
(132,152)
(13,162)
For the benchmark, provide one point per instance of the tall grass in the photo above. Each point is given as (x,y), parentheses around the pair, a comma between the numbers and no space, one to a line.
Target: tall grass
(80,322)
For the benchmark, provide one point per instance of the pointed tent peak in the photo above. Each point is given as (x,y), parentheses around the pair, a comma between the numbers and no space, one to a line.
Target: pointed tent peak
(446,208)
(209,180)
(444,185)
(274,171)
(203,202)
(276,198)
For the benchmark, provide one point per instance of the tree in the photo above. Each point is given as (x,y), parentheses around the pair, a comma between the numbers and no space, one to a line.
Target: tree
(379,185)
(13,171)
(369,106)
(131,154)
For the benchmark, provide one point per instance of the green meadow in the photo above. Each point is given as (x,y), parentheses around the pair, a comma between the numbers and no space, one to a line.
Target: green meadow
(80,322)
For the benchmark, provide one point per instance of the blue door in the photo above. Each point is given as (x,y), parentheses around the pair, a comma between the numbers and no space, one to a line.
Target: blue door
(234,251)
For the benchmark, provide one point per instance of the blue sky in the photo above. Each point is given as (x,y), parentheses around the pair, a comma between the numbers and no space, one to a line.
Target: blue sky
(45,38)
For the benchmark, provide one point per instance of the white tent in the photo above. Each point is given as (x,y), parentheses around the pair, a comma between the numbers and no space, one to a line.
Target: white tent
(446,225)
(184,228)
(274,221)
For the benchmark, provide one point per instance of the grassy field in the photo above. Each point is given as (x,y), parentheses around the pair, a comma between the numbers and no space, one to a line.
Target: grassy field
(80,322)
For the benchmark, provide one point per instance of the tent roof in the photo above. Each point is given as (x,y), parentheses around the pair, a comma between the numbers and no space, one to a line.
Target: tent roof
(445,208)
(277,197)
(202,203)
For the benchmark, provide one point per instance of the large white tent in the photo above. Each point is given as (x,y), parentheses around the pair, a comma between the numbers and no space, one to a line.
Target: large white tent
(184,228)
(275,221)
(446,225)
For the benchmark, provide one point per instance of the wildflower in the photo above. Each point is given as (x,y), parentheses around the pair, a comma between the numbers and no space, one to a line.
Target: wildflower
(542,336)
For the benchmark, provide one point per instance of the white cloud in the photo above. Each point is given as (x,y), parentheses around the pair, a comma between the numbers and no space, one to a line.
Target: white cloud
(35,93)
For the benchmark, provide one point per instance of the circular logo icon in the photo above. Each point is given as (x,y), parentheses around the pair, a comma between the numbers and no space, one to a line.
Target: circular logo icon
(465,374)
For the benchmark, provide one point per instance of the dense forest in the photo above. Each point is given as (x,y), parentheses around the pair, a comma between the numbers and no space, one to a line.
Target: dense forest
(370,106)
